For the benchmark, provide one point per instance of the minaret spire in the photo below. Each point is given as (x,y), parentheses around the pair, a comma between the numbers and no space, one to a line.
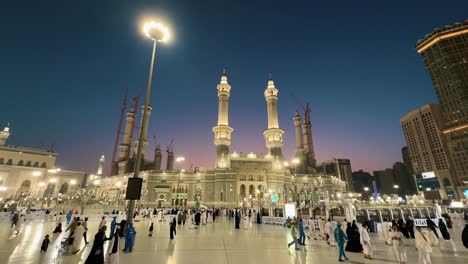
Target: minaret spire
(222,132)
(273,135)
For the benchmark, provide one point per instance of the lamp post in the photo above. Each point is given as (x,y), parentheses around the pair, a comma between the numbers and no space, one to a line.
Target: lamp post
(178,160)
(156,32)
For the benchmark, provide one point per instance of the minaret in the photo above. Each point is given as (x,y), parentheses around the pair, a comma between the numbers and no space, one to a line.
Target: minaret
(101,165)
(273,135)
(157,158)
(144,132)
(300,152)
(124,147)
(307,128)
(170,161)
(222,132)
(4,135)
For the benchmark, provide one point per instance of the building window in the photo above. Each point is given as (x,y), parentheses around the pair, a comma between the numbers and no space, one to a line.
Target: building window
(9,162)
(2,161)
(21,163)
(43,165)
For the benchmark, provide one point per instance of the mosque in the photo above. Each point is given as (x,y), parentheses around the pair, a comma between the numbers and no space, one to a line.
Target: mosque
(237,180)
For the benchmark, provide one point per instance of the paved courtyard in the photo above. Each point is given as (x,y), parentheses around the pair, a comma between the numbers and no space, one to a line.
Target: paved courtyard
(213,243)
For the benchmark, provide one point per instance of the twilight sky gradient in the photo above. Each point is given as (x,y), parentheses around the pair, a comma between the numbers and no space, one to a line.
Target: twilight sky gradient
(64,66)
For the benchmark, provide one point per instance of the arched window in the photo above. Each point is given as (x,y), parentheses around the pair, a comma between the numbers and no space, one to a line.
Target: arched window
(2,161)
(64,188)
(242,192)
(28,164)
(21,163)
(36,164)
(23,189)
(49,191)
(43,165)
(252,191)
(9,162)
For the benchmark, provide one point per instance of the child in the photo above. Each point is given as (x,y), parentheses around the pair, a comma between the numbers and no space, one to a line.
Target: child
(45,243)
(151,230)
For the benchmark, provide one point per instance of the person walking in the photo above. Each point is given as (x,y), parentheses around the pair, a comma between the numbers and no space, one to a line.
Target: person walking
(69,217)
(112,227)
(19,224)
(301,232)
(445,233)
(45,243)
(464,236)
(410,226)
(431,225)
(172,228)
(151,230)
(340,238)
(85,233)
(354,241)
(184,217)
(365,241)
(112,256)
(424,242)
(102,223)
(237,219)
(96,255)
(77,237)
(14,219)
(398,244)
(294,234)
(129,238)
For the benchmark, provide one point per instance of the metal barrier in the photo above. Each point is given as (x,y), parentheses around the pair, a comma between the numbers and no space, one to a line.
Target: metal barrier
(273,220)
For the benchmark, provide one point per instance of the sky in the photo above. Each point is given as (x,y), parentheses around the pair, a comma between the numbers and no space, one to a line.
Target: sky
(65,66)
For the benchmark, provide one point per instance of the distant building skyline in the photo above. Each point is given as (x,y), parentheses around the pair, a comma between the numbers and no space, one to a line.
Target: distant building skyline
(445,54)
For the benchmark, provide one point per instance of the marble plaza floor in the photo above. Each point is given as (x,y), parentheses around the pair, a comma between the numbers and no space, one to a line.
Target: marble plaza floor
(213,243)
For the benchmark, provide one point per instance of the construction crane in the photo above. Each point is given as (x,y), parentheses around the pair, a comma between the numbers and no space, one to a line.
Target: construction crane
(119,128)
(170,147)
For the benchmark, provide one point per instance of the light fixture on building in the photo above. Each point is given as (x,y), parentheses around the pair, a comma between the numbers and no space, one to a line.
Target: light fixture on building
(36,173)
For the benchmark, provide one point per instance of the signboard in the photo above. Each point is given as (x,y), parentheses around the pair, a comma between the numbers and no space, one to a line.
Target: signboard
(134,189)
(428,175)
(290,210)
(456,204)
(274,198)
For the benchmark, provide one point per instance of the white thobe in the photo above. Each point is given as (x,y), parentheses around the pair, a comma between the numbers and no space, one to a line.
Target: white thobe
(424,241)
(365,241)
(399,246)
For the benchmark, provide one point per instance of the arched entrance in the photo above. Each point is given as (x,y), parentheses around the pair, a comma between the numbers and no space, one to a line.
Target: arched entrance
(24,189)
(63,188)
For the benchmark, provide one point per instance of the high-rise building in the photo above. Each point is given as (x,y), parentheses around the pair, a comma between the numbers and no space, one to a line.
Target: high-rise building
(427,147)
(362,182)
(445,54)
(385,181)
(405,181)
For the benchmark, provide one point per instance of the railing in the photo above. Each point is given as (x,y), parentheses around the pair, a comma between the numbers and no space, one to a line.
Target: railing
(272,220)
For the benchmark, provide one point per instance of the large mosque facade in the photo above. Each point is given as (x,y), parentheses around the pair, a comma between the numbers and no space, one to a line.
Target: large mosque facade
(237,180)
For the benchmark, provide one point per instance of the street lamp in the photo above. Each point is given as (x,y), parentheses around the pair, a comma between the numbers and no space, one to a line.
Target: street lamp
(179,160)
(158,33)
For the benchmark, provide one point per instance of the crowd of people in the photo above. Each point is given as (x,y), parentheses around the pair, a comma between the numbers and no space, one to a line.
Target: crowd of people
(345,236)
(354,237)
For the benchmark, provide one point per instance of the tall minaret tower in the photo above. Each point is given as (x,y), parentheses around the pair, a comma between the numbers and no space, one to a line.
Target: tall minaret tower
(222,132)
(101,165)
(4,135)
(144,132)
(273,135)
